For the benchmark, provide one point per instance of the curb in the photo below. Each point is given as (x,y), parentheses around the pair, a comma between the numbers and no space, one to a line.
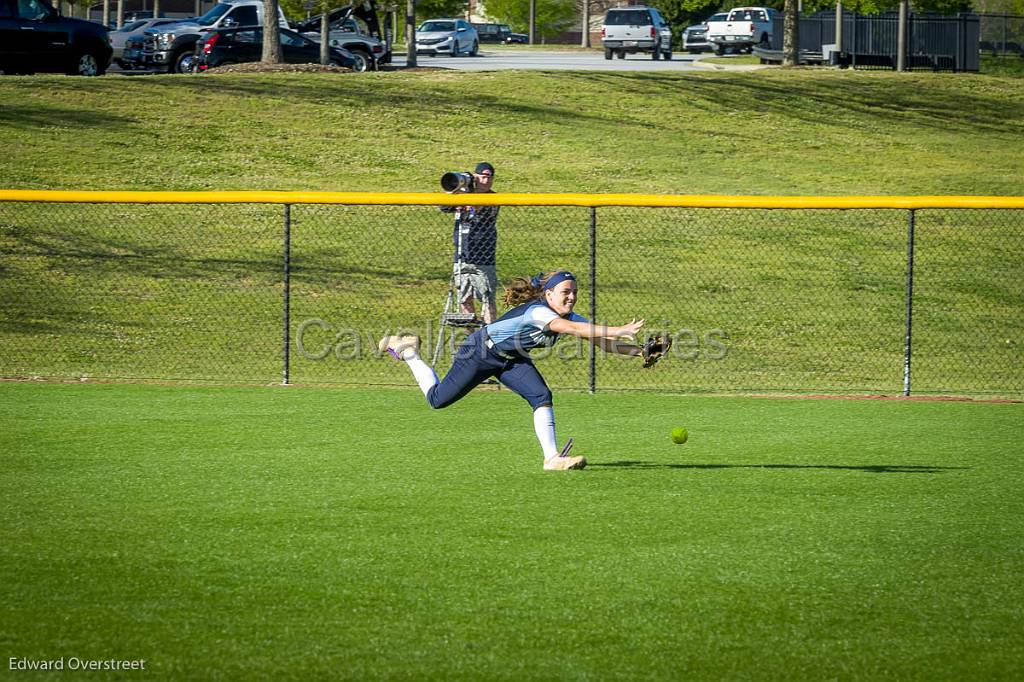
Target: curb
(710,67)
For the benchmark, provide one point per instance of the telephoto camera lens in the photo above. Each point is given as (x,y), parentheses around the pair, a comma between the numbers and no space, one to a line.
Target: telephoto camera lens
(457,182)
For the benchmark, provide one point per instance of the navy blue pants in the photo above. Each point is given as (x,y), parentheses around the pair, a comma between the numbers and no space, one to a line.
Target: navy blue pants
(475,362)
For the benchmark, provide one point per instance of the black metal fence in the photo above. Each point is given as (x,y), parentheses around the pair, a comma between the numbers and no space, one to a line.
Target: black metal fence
(934,43)
(773,300)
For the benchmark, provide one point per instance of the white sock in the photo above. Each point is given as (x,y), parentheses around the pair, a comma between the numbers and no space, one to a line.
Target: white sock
(425,375)
(544,425)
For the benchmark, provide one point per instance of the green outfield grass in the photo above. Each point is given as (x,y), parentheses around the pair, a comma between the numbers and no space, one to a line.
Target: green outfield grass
(772,131)
(300,533)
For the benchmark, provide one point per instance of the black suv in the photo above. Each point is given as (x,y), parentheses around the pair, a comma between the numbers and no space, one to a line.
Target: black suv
(35,37)
(493,33)
(236,45)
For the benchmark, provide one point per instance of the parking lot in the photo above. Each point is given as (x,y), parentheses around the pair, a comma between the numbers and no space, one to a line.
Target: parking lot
(562,60)
(554,60)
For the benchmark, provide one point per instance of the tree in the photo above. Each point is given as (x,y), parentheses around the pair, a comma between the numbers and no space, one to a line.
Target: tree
(295,8)
(585,25)
(325,29)
(1000,6)
(271,33)
(791,35)
(553,16)
(433,9)
(942,6)
(682,13)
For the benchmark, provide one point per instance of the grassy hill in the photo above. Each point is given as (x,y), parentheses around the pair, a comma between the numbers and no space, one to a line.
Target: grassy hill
(804,300)
(770,132)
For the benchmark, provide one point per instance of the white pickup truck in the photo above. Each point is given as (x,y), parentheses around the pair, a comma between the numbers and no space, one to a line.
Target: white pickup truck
(743,28)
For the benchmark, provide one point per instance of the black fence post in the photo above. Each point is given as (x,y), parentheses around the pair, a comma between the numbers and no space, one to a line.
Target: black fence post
(593,295)
(910,305)
(287,288)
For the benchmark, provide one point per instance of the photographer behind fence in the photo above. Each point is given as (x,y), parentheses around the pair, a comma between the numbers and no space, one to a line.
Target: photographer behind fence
(476,240)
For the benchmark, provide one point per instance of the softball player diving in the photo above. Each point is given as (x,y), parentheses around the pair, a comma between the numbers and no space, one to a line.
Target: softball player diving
(542,312)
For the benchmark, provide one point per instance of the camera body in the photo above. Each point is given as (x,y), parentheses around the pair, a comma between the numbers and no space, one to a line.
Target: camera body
(458,182)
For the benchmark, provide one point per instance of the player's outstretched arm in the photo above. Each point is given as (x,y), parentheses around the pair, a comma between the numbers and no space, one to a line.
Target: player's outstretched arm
(617,346)
(655,348)
(587,330)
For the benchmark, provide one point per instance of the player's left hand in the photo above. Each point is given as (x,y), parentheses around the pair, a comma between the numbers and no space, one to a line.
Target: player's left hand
(654,349)
(629,330)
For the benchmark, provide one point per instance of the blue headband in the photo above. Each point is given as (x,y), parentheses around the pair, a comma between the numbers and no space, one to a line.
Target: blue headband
(558,278)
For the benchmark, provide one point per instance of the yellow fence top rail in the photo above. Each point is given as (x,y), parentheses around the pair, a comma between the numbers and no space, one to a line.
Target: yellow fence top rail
(440,199)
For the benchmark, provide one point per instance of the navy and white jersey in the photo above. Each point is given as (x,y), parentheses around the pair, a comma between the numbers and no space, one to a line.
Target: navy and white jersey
(525,327)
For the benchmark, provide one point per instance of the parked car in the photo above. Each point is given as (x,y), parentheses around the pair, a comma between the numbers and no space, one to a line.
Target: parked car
(493,33)
(119,38)
(34,37)
(742,29)
(517,38)
(239,45)
(636,29)
(355,28)
(447,36)
(695,38)
(137,16)
(172,47)
(133,56)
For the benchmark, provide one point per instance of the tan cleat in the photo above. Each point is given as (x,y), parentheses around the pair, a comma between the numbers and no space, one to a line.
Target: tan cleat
(563,463)
(400,347)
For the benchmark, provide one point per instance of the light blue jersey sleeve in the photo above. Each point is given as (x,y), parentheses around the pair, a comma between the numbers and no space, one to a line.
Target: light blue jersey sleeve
(541,316)
(526,329)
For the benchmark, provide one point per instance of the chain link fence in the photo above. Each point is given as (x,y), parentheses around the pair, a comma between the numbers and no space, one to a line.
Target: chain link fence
(1002,34)
(757,300)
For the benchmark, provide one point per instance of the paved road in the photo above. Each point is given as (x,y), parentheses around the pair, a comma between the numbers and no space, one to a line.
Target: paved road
(561,60)
(555,60)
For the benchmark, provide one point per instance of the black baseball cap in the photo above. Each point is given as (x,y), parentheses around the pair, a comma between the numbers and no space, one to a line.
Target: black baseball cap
(484,166)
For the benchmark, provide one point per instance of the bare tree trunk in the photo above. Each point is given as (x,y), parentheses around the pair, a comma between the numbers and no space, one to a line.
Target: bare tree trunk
(791,34)
(156,8)
(120,13)
(271,33)
(839,26)
(533,20)
(410,33)
(106,12)
(901,38)
(325,48)
(585,38)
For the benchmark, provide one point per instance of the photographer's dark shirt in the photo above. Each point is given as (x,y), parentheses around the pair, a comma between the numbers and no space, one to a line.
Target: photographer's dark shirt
(479,226)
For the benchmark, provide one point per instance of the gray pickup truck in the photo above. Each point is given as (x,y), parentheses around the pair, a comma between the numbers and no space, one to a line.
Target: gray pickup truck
(355,28)
(172,47)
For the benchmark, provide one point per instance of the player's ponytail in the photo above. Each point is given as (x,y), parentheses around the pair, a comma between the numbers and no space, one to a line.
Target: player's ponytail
(522,290)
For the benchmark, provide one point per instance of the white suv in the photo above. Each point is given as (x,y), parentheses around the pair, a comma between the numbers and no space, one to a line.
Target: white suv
(636,29)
